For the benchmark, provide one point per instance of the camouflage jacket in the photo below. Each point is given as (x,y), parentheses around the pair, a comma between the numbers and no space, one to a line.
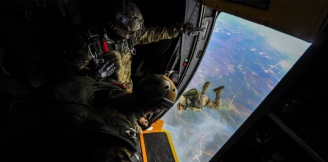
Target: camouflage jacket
(189,98)
(194,100)
(145,36)
(79,57)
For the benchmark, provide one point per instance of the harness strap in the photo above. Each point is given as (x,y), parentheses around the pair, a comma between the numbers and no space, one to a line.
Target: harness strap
(131,42)
(106,45)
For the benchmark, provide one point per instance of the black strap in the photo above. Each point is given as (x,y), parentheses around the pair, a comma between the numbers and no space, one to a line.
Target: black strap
(131,43)
(95,48)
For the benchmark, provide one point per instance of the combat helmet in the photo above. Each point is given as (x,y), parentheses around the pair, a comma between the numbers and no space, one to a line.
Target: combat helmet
(158,92)
(124,18)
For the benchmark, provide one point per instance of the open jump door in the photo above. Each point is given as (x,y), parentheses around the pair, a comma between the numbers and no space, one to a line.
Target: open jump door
(156,144)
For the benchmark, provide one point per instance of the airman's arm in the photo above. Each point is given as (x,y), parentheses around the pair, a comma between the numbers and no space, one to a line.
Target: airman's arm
(155,34)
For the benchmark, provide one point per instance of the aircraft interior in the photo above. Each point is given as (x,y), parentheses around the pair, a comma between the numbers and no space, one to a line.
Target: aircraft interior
(291,122)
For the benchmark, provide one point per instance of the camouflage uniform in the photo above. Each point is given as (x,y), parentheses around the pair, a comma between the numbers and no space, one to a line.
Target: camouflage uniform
(145,36)
(79,58)
(195,100)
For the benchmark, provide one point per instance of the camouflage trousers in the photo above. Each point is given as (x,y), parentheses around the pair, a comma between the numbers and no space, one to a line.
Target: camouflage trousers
(202,100)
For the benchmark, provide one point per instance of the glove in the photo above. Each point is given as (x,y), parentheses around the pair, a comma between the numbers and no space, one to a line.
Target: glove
(187,28)
(112,57)
(106,70)
(109,67)
(178,27)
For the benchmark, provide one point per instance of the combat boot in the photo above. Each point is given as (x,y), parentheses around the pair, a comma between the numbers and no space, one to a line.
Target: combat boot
(205,86)
(218,90)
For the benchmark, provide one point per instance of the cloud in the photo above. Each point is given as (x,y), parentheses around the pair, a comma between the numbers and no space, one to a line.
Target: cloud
(197,134)
(282,42)
(286,65)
